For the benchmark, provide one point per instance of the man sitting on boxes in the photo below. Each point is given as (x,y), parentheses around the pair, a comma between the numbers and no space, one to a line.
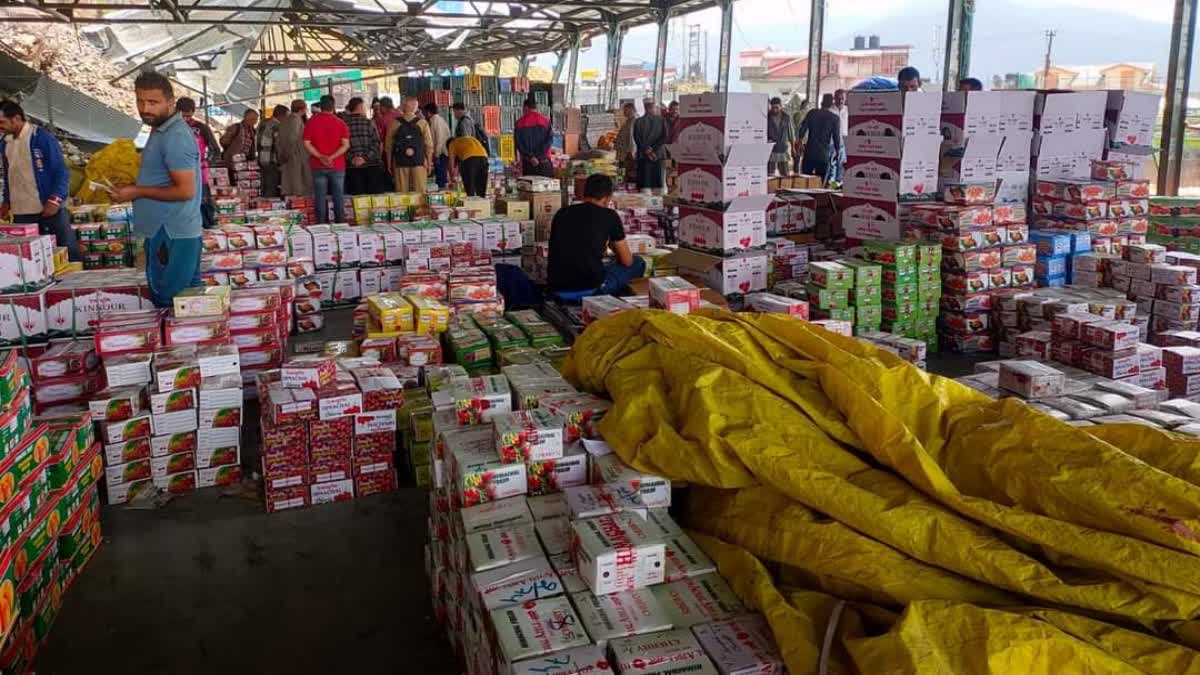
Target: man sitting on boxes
(579,235)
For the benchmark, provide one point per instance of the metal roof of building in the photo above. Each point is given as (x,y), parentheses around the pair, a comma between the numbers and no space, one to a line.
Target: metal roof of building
(229,42)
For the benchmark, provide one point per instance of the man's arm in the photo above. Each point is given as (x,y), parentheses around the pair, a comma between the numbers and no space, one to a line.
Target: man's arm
(229,136)
(60,178)
(427,137)
(342,149)
(621,250)
(181,189)
(547,141)
(388,140)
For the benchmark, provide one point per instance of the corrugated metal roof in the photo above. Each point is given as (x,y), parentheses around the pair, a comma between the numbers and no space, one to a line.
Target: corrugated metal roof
(71,111)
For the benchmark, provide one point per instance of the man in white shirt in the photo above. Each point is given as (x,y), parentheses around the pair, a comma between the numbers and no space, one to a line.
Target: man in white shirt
(38,177)
(441,135)
(837,164)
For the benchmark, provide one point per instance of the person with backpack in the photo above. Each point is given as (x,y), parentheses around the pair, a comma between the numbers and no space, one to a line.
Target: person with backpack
(408,149)
(441,136)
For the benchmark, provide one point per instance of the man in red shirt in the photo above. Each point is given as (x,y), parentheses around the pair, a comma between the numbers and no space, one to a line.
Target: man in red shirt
(327,139)
(532,137)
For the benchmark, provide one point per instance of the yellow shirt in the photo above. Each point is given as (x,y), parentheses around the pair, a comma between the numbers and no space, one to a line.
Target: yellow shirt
(465,147)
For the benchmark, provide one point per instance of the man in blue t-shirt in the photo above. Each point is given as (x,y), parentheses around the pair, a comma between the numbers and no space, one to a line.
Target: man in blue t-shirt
(166,198)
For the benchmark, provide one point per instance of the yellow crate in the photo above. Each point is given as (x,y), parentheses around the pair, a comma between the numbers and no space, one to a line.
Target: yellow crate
(391,312)
(382,201)
(508,148)
(430,316)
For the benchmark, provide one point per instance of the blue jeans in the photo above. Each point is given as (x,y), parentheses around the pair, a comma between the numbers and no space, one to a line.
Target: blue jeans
(837,160)
(58,225)
(171,266)
(330,182)
(617,276)
(441,170)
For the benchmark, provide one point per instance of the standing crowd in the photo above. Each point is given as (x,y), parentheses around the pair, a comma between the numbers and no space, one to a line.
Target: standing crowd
(299,151)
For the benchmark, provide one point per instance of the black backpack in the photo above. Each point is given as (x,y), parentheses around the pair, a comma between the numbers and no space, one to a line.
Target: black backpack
(477,131)
(408,136)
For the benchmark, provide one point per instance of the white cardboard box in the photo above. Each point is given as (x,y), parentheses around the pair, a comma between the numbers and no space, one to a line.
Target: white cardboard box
(741,225)
(704,177)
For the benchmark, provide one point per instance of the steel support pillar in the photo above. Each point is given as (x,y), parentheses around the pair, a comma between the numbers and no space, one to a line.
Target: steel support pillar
(612,66)
(816,36)
(959,20)
(523,66)
(573,69)
(723,52)
(560,60)
(1179,76)
(662,15)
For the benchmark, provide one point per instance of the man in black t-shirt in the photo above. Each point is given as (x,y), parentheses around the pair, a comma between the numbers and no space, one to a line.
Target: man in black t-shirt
(578,237)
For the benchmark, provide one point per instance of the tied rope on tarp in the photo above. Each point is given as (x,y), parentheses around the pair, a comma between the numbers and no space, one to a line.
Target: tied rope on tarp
(968,534)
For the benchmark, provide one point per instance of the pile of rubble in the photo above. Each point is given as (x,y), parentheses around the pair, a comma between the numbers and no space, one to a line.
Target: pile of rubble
(67,57)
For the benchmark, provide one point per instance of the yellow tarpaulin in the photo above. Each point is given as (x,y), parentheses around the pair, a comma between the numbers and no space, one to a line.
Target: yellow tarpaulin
(872,481)
(115,164)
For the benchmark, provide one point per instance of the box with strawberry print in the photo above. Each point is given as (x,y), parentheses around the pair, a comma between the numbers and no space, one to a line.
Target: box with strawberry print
(374,478)
(284,498)
(374,447)
(528,435)
(580,412)
(477,476)
(308,372)
(381,389)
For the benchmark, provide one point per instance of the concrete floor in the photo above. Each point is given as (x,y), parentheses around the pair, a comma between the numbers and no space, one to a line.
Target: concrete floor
(212,584)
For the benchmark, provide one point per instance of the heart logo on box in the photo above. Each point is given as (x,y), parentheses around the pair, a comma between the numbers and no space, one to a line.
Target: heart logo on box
(919,188)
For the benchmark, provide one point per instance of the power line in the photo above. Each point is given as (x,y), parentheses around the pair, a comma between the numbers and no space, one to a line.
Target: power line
(1049,46)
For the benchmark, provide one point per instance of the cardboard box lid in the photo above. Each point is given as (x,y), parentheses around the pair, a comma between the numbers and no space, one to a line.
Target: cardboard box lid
(739,154)
(730,104)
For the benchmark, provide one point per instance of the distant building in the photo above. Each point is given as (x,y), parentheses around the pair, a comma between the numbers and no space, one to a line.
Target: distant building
(783,73)
(1124,75)
(633,81)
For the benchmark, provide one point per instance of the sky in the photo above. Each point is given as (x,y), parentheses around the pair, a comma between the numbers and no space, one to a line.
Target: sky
(1009,35)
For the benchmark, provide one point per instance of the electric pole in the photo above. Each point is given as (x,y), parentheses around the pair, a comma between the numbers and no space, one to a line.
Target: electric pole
(1046,70)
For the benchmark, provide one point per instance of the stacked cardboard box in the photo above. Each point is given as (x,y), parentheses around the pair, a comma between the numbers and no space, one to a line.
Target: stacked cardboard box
(329,430)
(1082,398)
(721,150)
(51,513)
(104,234)
(171,415)
(582,543)
(988,137)
(1175,223)
(909,286)
(891,158)
(829,286)
(1069,133)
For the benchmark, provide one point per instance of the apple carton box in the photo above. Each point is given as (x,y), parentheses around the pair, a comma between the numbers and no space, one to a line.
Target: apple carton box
(1002,113)
(516,583)
(870,219)
(612,559)
(674,293)
(607,617)
(1131,118)
(589,660)
(741,225)
(23,316)
(720,120)
(742,645)
(911,114)
(699,599)
(535,628)
(739,274)
(703,176)
(673,651)
(490,549)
